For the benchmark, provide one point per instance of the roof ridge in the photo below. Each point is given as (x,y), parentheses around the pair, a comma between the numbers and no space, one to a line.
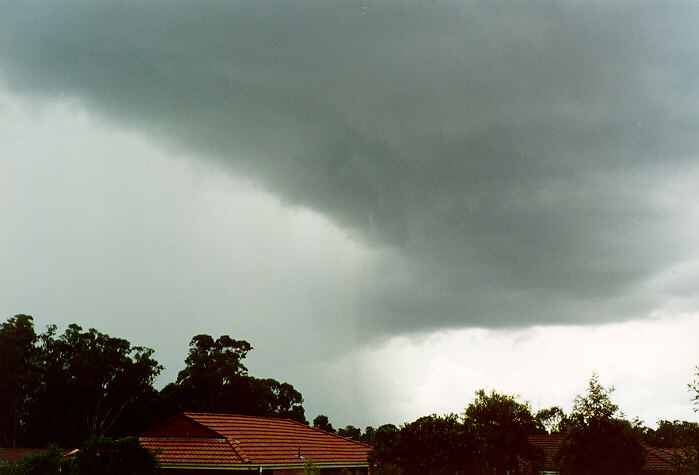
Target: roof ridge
(238,451)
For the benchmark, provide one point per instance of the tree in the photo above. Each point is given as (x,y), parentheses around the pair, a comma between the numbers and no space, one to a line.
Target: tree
(214,362)
(551,420)
(277,399)
(102,455)
(214,372)
(350,432)
(430,445)
(19,377)
(504,424)
(216,380)
(385,447)
(382,458)
(321,422)
(369,436)
(597,403)
(688,459)
(673,434)
(48,462)
(598,439)
(88,379)
(694,390)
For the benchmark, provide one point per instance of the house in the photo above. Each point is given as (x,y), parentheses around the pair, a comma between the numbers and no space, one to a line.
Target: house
(190,442)
(656,460)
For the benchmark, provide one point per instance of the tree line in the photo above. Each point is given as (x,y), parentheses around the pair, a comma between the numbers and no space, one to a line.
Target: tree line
(84,388)
(65,388)
(492,436)
(97,455)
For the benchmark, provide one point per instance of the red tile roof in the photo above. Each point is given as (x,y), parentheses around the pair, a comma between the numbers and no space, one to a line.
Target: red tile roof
(183,450)
(549,444)
(213,439)
(657,459)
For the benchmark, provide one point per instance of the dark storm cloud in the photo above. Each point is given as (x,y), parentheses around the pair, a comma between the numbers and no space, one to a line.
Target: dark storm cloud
(514,162)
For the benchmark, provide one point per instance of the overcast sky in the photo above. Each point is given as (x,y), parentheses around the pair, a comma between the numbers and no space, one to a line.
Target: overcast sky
(395,202)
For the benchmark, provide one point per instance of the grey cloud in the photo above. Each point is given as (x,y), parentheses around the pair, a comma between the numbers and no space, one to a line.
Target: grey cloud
(504,157)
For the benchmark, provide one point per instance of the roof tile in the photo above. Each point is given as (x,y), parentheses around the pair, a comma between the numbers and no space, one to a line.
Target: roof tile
(251,439)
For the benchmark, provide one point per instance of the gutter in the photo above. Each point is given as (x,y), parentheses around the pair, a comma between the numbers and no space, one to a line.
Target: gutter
(258,467)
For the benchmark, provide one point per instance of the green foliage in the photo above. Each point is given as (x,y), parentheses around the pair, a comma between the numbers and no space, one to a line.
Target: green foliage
(597,441)
(214,362)
(49,462)
(694,390)
(596,403)
(369,436)
(89,378)
(386,469)
(504,424)
(102,455)
(278,399)
(490,438)
(551,421)
(684,435)
(19,367)
(214,372)
(216,380)
(350,432)
(430,445)
(310,468)
(385,435)
(673,434)
(65,388)
(602,446)
(97,456)
(323,423)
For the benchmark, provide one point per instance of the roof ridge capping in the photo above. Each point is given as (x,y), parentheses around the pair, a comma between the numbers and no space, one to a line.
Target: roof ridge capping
(231,414)
(238,450)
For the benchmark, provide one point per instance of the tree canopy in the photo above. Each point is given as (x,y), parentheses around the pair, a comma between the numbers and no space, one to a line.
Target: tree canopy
(66,387)
(598,439)
(551,420)
(323,423)
(491,437)
(431,445)
(98,455)
(504,424)
(20,376)
(88,379)
(216,380)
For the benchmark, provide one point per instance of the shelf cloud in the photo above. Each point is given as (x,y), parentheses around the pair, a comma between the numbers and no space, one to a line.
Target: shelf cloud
(507,164)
